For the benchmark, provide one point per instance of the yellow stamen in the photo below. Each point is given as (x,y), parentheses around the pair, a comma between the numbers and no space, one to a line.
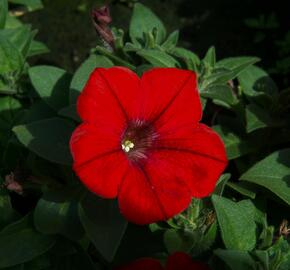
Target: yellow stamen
(127,146)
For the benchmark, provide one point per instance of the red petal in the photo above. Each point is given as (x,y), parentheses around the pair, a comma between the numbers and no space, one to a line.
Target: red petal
(143,264)
(170,98)
(153,191)
(182,261)
(98,160)
(109,96)
(198,153)
(89,141)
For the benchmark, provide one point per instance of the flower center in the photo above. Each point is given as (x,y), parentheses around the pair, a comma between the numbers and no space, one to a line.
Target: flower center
(127,146)
(137,139)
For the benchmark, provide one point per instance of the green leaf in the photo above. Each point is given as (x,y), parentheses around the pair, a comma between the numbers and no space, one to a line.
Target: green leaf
(263,257)
(83,73)
(12,22)
(218,76)
(273,173)
(70,112)
(178,241)
(191,59)
(10,58)
(52,85)
(158,58)
(210,57)
(132,47)
(19,225)
(228,69)
(3,13)
(37,48)
(9,109)
(208,238)
(284,264)
(277,253)
(55,213)
(21,37)
(242,189)
(24,40)
(149,40)
(39,110)
(236,221)
(7,212)
(255,82)
(236,260)
(220,92)
(4,87)
(141,69)
(237,64)
(11,113)
(23,246)
(103,223)
(257,118)
(267,235)
(234,144)
(47,138)
(220,185)
(30,4)
(203,103)
(171,41)
(143,21)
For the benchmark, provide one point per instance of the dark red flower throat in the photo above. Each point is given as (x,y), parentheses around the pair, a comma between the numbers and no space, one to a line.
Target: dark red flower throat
(138,138)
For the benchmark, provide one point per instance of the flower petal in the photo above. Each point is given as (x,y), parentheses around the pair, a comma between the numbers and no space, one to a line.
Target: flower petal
(109,96)
(199,153)
(169,98)
(143,264)
(89,141)
(98,159)
(180,260)
(153,191)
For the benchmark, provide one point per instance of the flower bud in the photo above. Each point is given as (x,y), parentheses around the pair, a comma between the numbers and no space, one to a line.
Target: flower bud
(101,20)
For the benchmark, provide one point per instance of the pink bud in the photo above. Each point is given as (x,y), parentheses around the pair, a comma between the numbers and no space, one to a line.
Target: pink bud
(101,20)
(12,185)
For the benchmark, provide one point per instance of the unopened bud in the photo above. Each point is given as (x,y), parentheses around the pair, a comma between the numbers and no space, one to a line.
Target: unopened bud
(13,185)
(101,20)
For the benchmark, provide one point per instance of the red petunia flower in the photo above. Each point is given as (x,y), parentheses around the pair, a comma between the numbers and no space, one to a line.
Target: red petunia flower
(177,261)
(141,141)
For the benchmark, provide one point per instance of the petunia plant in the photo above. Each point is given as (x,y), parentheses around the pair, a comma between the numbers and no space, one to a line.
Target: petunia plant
(148,156)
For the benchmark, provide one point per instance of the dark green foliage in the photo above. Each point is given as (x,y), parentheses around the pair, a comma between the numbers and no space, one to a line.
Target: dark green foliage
(56,224)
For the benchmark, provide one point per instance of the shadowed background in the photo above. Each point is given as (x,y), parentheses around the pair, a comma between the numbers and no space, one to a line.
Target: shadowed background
(249,27)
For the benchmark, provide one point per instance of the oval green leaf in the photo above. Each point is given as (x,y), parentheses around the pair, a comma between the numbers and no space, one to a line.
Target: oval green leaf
(47,138)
